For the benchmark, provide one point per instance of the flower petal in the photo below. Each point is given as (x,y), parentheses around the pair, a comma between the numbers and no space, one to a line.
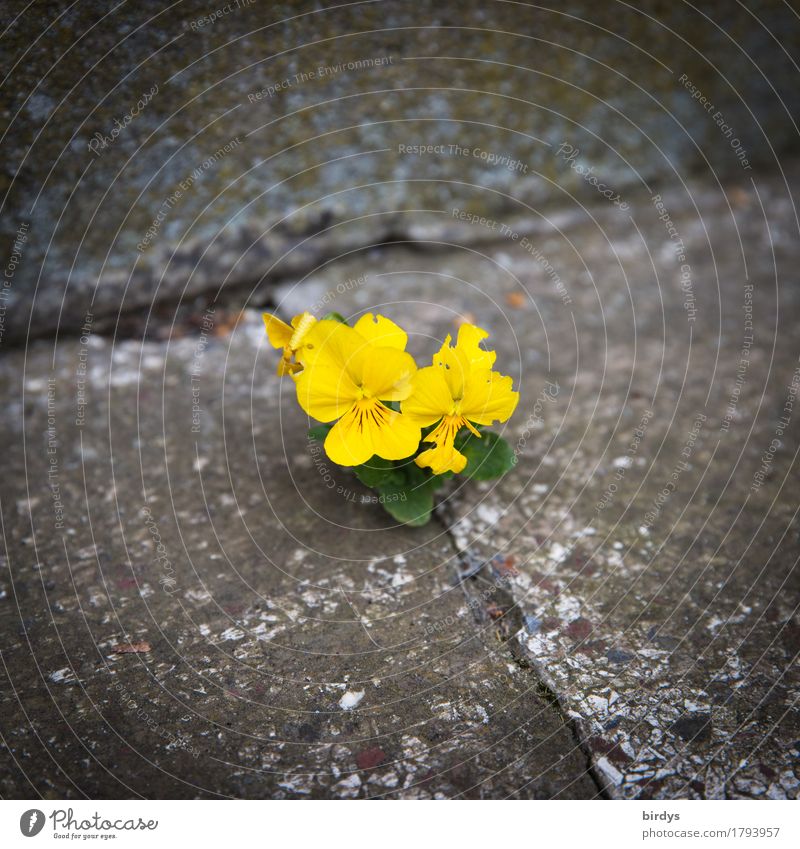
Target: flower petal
(442,458)
(460,359)
(455,366)
(397,439)
(381,331)
(286,367)
(370,428)
(430,397)
(279,332)
(325,391)
(335,344)
(469,339)
(488,397)
(301,324)
(346,443)
(387,374)
(314,341)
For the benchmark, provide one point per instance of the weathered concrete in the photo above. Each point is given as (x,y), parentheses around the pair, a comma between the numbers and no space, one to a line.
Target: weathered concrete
(644,551)
(602,640)
(272,600)
(246,149)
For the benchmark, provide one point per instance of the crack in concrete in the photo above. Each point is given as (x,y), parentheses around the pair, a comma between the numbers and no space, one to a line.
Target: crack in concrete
(507,626)
(175,308)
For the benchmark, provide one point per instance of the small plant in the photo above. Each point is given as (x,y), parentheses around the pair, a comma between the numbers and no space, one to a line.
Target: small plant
(403,430)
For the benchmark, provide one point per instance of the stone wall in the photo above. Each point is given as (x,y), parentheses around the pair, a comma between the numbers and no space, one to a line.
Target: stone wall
(154,154)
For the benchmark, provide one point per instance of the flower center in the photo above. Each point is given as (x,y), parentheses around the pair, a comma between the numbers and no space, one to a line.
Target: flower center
(450,426)
(371,411)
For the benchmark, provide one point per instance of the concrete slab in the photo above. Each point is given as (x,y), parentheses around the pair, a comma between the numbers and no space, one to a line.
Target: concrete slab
(630,627)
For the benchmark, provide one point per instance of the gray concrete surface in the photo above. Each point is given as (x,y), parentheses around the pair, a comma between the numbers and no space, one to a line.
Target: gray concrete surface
(547,636)
(234,141)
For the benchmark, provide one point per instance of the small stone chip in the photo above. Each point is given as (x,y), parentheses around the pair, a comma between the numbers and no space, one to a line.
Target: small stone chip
(350,700)
(694,728)
(370,758)
(579,629)
(131,648)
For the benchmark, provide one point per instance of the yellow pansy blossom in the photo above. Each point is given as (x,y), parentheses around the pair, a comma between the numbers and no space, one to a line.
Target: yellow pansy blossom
(467,351)
(290,338)
(349,373)
(458,390)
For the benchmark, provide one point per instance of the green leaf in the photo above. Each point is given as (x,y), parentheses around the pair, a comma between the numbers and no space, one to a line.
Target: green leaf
(377,472)
(410,499)
(404,490)
(334,316)
(488,456)
(319,432)
(414,475)
(411,506)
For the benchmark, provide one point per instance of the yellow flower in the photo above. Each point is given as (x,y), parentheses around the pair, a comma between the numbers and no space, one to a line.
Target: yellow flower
(467,351)
(458,390)
(291,339)
(349,373)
